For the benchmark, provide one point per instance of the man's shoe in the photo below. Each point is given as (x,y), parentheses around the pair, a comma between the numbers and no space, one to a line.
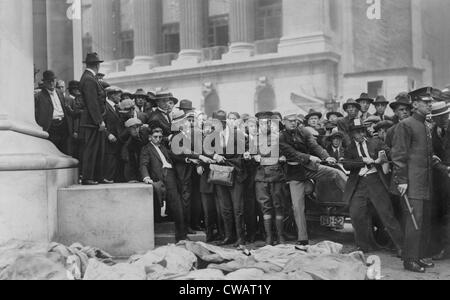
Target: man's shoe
(443,255)
(190,231)
(426,264)
(302,243)
(106,181)
(225,242)
(414,267)
(89,182)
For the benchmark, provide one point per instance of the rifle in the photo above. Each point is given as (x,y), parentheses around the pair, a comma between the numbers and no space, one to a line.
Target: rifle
(411,211)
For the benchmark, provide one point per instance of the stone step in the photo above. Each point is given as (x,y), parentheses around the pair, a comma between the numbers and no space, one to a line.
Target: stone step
(165,234)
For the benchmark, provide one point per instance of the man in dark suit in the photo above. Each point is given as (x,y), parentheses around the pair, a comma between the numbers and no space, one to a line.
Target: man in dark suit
(162,112)
(365,101)
(92,122)
(74,108)
(335,148)
(114,127)
(140,99)
(156,165)
(231,199)
(51,112)
(366,185)
(352,108)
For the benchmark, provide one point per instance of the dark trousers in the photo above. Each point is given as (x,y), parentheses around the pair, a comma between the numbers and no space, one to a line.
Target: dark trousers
(93,154)
(220,221)
(59,135)
(174,203)
(111,166)
(196,201)
(417,242)
(184,174)
(370,190)
(232,206)
(131,166)
(210,212)
(250,209)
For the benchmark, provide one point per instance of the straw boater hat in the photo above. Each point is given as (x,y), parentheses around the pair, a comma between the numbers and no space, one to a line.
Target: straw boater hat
(439,109)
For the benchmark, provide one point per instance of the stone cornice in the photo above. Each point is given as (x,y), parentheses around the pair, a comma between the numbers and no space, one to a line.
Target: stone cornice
(220,66)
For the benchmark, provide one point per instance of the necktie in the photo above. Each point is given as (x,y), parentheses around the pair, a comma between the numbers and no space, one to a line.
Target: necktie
(363,151)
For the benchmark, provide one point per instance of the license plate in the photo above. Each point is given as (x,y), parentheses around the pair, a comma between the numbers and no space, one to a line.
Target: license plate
(332,222)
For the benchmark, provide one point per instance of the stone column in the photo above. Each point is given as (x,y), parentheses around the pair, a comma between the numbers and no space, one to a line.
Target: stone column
(306,27)
(242,28)
(147,30)
(104,33)
(31,168)
(192,31)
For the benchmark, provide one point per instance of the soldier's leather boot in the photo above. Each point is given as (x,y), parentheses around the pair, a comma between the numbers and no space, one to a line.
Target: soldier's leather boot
(280,231)
(269,234)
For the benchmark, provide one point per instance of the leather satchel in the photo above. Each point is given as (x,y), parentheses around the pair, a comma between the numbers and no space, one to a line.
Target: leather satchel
(221,175)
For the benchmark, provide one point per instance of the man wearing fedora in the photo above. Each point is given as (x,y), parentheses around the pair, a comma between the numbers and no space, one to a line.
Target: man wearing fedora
(412,156)
(365,102)
(402,110)
(162,113)
(140,101)
(51,112)
(381,104)
(74,107)
(313,123)
(441,214)
(367,184)
(352,108)
(335,148)
(92,121)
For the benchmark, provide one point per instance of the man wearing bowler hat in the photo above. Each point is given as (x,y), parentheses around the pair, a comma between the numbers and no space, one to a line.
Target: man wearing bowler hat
(412,156)
(51,112)
(186,106)
(92,121)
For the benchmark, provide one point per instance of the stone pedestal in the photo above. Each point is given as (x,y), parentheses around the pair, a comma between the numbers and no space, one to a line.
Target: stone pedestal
(306,27)
(31,168)
(115,218)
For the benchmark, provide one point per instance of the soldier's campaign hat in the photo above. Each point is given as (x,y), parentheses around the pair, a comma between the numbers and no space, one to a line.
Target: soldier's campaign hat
(186,105)
(264,115)
(365,97)
(383,125)
(165,96)
(313,113)
(140,93)
(439,109)
(380,100)
(92,58)
(402,99)
(48,75)
(423,94)
(352,102)
(334,113)
(357,124)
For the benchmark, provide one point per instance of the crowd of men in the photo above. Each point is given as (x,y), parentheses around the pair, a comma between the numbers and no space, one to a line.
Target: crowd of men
(397,165)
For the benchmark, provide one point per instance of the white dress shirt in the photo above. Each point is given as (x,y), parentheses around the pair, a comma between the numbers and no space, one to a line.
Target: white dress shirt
(166,164)
(365,171)
(58,112)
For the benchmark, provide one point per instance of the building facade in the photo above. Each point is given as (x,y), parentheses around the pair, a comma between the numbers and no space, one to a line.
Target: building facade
(252,55)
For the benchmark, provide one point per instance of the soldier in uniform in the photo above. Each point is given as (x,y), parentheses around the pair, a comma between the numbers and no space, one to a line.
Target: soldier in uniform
(269,180)
(412,155)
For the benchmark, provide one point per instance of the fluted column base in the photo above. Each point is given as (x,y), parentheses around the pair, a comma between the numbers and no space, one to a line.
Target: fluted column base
(142,64)
(188,57)
(317,42)
(240,50)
